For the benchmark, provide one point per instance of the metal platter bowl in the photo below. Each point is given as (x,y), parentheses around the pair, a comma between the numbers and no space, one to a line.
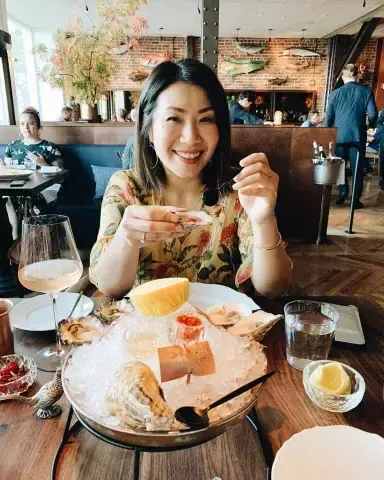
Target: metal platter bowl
(161,440)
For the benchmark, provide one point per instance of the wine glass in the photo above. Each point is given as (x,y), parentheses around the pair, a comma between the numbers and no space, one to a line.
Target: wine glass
(49,263)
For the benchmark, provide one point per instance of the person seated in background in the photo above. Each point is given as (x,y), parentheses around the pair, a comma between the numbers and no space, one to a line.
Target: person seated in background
(32,146)
(122,115)
(376,142)
(31,150)
(133,115)
(183,148)
(313,119)
(66,114)
(239,111)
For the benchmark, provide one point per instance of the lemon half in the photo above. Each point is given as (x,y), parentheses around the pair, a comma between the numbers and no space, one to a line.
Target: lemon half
(160,297)
(331,378)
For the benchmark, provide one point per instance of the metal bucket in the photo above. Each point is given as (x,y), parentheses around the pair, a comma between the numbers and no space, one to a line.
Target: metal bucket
(327,174)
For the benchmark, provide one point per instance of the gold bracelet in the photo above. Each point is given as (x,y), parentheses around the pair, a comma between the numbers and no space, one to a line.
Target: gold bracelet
(279,242)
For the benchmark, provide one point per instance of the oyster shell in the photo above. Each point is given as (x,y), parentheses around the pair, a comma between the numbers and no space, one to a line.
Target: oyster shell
(135,397)
(255,325)
(108,312)
(190,220)
(77,331)
(228,314)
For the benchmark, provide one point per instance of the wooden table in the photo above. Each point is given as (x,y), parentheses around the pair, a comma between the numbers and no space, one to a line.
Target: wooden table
(28,445)
(284,408)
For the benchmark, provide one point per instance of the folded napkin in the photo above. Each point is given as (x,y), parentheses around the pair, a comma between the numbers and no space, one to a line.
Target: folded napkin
(53,169)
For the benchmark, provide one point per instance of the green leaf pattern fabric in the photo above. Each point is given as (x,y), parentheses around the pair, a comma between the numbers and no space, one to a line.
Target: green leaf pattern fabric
(17,150)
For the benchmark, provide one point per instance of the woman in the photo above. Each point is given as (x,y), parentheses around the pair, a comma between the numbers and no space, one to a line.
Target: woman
(32,146)
(183,146)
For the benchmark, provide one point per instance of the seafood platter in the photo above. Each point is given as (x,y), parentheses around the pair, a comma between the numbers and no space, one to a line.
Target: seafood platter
(172,344)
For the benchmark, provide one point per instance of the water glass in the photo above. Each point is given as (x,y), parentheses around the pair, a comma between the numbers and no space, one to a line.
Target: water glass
(309,330)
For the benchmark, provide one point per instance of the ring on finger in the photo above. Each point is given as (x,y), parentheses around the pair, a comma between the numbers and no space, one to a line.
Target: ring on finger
(268,174)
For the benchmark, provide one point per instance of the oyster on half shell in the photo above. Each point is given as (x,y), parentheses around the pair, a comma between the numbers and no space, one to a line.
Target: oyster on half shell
(135,397)
(77,331)
(255,325)
(190,220)
(228,314)
(108,312)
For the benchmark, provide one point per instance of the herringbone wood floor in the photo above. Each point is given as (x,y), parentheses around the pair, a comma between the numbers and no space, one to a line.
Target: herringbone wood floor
(354,264)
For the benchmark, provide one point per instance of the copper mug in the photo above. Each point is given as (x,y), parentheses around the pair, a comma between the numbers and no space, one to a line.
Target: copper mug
(6,335)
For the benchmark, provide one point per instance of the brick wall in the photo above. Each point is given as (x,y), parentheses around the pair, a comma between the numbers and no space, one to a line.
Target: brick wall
(131,60)
(299,72)
(367,59)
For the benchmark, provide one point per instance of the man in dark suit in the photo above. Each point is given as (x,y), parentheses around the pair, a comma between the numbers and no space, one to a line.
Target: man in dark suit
(347,110)
(239,113)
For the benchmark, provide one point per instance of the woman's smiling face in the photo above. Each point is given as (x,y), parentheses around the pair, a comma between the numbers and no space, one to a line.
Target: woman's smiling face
(184,131)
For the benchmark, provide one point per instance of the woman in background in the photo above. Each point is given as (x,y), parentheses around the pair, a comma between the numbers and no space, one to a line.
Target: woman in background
(32,149)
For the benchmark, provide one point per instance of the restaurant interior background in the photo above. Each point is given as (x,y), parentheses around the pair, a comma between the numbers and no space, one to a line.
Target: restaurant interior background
(291,84)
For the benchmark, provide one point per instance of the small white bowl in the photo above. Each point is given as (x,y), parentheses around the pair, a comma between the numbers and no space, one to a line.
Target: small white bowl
(332,402)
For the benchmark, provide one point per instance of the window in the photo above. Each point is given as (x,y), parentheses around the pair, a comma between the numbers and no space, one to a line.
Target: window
(23,66)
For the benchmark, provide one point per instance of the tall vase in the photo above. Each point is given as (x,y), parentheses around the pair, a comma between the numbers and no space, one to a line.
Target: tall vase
(93,113)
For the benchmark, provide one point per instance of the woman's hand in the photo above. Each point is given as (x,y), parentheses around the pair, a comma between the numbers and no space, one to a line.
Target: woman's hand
(144,225)
(39,159)
(257,186)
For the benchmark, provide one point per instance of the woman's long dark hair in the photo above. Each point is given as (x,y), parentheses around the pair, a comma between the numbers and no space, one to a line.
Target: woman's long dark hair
(150,170)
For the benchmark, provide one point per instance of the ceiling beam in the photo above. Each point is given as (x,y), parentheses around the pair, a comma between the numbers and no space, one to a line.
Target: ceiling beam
(357,45)
(209,33)
(379,11)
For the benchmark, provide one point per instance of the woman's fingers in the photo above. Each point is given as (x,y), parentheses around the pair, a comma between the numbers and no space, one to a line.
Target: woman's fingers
(252,169)
(257,179)
(254,158)
(154,226)
(154,213)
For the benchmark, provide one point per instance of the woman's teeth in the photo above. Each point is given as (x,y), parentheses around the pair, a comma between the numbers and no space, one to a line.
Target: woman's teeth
(188,155)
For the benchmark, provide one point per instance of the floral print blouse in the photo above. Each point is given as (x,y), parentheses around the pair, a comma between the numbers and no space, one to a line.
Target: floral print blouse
(220,253)
(17,150)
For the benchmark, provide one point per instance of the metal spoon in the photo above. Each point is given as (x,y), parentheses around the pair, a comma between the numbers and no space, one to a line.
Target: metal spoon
(197,418)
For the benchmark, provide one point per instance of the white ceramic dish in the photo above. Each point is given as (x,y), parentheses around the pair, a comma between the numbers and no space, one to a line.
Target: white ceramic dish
(203,296)
(36,314)
(330,453)
(7,174)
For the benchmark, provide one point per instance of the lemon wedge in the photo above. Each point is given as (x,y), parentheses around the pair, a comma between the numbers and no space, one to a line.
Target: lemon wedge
(331,378)
(160,297)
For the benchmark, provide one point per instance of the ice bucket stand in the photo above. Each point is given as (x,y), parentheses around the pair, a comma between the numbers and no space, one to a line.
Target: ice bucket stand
(326,176)
(68,430)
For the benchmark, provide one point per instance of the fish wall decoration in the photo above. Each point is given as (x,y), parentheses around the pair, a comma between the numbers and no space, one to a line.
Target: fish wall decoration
(120,50)
(137,75)
(278,81)
(153,59)
(298,64)
(299,52)
(249,48)
(233,67)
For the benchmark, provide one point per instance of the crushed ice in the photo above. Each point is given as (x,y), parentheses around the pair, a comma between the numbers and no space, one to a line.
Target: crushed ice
(134,337)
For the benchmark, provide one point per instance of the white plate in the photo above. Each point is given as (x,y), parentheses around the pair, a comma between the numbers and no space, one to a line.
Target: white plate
(51,174)
(36,314)
(204,295)
(11,174)
(330,453)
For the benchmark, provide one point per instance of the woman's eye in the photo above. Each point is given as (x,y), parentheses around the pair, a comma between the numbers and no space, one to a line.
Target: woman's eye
(173,119)
(207,120)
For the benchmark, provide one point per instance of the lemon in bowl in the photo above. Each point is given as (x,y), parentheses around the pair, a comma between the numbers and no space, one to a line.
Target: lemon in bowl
(333,386)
